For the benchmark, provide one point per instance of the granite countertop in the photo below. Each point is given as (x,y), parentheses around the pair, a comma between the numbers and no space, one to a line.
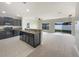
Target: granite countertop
(32,31)
(2,28)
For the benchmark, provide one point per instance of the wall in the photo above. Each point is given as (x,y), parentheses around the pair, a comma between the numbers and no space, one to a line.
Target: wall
(53,21)
(77,25)
(34,23)
(37,24)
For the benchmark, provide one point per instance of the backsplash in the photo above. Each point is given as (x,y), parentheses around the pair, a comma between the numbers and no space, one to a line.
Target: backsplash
(2,27)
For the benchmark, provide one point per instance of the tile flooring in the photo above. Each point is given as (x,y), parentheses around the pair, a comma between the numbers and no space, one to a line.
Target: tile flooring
(56,45)
(53,45)
(13,47)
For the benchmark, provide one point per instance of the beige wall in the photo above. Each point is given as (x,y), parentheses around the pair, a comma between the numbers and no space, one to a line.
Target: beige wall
(34,23)
(37,24)
(52,22)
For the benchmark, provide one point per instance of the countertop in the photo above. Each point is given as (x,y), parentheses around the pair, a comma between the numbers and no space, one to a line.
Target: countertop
(32,31)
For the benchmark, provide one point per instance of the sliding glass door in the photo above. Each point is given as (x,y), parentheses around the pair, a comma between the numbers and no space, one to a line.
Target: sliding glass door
(64,27)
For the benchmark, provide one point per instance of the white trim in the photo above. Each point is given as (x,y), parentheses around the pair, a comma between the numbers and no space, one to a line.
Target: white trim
(76,49)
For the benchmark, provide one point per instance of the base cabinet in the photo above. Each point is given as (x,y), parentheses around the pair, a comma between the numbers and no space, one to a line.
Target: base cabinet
(8,34)
(5,34)
(32,39)
(16,32)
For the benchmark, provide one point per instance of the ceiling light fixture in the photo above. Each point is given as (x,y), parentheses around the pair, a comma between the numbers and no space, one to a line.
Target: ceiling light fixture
(24,2)
(8,2)
(3,12)
(27,10)
(18,15)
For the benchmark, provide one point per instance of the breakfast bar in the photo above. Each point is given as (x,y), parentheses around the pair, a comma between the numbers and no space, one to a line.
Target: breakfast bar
(31,36)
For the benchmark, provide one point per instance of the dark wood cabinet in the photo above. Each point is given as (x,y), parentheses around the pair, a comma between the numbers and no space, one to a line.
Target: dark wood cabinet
(17,22)
(2,21)
(10,21)
(16,32)
(2,35)
(5,34)
(32,39)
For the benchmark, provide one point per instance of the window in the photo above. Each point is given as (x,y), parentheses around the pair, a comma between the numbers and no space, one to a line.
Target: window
(28,25)
(63,27)
(45,26)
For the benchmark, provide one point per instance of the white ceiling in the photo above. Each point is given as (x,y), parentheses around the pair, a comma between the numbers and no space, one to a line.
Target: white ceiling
(45,10)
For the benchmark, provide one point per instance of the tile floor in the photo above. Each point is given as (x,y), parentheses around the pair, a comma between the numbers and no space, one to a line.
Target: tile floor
(56,45)
(53,45)
(13,47)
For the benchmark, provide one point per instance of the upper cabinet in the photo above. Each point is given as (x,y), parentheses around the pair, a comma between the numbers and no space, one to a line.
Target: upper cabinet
(1,21)
(16,22)
(10,21)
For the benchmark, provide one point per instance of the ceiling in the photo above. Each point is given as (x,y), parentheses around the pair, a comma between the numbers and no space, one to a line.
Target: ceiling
(45,10)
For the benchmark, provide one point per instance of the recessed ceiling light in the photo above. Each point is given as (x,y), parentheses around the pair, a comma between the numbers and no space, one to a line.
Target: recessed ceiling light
(8,2)
(18,15)
(27,10)
(3,12)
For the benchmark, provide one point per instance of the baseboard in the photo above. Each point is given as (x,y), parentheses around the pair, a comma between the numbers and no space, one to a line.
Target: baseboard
(76,49)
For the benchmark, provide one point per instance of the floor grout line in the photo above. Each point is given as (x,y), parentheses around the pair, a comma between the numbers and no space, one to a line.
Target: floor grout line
(76,49)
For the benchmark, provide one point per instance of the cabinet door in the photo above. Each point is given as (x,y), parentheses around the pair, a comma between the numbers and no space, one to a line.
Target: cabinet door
(31,39)
(27,38)
(16,32)
(2,35)
(1,21)
(8,20)
(21,35)
(17,22)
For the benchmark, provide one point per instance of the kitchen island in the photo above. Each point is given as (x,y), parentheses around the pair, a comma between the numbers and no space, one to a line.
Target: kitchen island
(31,36)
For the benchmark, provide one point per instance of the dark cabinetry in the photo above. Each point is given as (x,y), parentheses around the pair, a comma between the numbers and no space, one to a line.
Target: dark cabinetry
(2,22)
(2,35)
(17,22)
(16,32)
(5,34)
(32,39)
(10,21)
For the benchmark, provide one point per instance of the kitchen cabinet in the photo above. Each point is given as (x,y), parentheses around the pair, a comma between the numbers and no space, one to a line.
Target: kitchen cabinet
(2,22)
(10,21)
(5,34)
(16,22)
(16,32)
(2,35)
(32,39)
